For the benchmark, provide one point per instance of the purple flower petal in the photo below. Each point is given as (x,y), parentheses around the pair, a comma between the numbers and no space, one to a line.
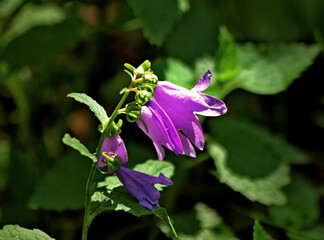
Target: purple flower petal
(141,185)
(182,105)
(115,145)
(161,130)
(203,82)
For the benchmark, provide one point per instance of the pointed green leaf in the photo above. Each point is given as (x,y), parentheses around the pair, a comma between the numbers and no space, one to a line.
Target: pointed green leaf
(259,233)
(271,68)
(15,232)
(265,190)
(97,109)
(77,145)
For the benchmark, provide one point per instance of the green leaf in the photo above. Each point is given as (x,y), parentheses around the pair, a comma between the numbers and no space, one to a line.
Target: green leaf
(271,68)
(195,34)
(116,198)
(203,223)
(252,150)
(265,190)
(156,17)
(15,232)
(226,56)
(175,71)
(63,187)
(75,143)
(33,15)
(43,42)
(97,109)
(259,233)
(302,209)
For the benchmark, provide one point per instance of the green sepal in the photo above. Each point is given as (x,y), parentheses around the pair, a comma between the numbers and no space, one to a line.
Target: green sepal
(123,90)
(130,67)
(144,124)
(128,72)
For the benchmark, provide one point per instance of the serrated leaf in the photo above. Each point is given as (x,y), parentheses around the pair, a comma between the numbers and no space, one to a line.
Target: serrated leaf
(271,68)
(15,232)
(63,187)
(77,145)
(150,14)
(259,233)
(226,56)
(97,109)
(265,190)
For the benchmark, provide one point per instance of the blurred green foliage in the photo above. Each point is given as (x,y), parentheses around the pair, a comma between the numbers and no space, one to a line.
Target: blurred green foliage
(264,159)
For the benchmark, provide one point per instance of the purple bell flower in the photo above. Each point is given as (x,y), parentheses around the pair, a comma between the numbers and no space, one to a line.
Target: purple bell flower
(139,185)
(174,108)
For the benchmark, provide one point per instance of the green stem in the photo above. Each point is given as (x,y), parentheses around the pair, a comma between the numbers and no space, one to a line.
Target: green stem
(90,187)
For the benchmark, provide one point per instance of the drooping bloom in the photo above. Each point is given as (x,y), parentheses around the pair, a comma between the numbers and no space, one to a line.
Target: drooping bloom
(139,185)
(171,118)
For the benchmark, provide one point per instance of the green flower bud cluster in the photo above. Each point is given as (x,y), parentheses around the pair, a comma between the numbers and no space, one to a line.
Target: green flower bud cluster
(114,130)
(144,84)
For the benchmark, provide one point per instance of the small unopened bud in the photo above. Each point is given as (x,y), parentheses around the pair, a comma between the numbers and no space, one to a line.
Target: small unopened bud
(113,161)
(133,111)
(115,129)
(142,97)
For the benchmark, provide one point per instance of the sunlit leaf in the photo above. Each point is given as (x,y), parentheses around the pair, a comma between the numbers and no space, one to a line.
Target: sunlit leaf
(77,145)
(175,71)
(15,232)
(97,109)
(266,190)
(63,187)
(259,233)
(226,56)
(271,68)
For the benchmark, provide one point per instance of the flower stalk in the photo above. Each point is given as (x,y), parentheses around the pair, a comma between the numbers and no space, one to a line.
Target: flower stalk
(90,186)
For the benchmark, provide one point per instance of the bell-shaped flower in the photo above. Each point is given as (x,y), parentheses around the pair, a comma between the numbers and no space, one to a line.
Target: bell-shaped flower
(171,117)
(140,185)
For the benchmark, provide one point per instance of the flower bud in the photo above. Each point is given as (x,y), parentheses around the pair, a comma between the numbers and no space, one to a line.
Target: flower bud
(133,111)
(142,97)
(112,160)
(115,129)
